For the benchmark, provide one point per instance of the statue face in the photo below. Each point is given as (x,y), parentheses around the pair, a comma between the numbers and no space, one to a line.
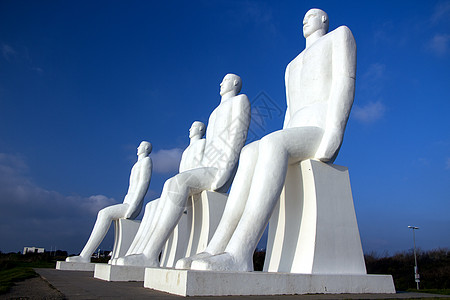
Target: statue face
(227,85)
(313,21)
(143,148)
(195,130)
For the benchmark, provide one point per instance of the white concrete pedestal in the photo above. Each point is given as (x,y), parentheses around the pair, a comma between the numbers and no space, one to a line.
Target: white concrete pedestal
(196,227)
(189,237)
(212,283)
(124,233)
(75,266)
(119,273)
(313,229)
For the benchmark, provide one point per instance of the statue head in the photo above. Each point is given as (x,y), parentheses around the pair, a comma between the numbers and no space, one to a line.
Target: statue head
(230,83)
(197,129)
(144,148)
(315,19)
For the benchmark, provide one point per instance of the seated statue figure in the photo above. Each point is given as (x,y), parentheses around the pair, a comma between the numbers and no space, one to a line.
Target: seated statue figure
(320,86)
(225,136)
(190,159)
(130,208)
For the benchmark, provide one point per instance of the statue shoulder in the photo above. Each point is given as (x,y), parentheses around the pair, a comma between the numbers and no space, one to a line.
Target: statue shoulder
(146,161)
(342,33)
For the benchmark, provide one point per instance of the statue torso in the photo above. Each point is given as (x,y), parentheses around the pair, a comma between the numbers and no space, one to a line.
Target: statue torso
(309,79)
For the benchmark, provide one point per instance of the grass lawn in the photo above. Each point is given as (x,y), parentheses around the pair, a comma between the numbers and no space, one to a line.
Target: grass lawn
(9,276)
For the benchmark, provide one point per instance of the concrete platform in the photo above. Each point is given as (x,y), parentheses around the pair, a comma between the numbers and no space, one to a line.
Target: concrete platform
(119,273)
(211,283)
(75,266)
(81,285)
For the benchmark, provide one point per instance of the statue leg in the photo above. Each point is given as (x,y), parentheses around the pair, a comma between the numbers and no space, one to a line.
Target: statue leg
(173,198)
(276,151)
(102,224)
(233,209)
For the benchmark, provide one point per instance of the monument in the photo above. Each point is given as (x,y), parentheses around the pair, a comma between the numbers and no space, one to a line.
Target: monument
(320,87)
(206,169)
(190,159)
(129,209)
(177,245)
(225,136)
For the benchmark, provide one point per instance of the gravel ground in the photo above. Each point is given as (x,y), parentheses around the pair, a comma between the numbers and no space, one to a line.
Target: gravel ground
(33,289)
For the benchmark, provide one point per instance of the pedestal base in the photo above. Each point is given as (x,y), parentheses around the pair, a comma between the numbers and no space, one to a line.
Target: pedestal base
(75,266)
(119,273)
(211,283)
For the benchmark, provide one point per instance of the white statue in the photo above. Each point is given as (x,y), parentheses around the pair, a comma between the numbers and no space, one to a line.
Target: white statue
(190,159)
(130,208)
(192,155)
(225,136)
(320,85)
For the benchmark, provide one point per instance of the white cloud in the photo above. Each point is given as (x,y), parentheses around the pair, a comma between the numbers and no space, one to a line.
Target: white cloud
(166,161)
(447,164)
(32,215)
(370,112)
(440,44)
(8,52)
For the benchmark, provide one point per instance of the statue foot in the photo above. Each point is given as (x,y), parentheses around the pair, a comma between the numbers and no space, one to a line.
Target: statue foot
(79,259)
(185,263)
(222,262)
(137,260)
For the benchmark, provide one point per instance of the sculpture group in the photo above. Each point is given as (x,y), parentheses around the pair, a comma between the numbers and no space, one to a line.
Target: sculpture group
(320,87)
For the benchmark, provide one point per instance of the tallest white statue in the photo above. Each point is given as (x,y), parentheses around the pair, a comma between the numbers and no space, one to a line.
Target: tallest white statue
(320,86)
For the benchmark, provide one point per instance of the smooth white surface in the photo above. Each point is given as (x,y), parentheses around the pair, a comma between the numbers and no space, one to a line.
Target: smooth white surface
(75,266)
(313,229)
(130,208)
(124,233)
(190,159)
(225,136)
(119,273)
(213,283)
(320,86)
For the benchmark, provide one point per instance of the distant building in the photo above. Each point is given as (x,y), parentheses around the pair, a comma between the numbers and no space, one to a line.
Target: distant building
(33,250)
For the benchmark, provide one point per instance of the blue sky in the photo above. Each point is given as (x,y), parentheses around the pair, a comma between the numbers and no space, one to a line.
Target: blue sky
(83,82)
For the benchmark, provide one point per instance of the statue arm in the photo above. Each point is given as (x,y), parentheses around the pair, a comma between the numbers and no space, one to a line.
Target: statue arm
(341,94)
(237,134)
(287,117)
(135,197)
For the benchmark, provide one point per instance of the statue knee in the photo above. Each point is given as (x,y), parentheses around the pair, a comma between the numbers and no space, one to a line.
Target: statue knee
(249,151)
(177,191)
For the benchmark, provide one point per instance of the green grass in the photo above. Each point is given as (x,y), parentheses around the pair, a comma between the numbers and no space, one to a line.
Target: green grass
(9,276)
(17,267)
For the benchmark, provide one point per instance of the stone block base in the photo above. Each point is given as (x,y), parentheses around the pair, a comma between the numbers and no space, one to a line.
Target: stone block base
(75,266)
(119,273)
(211,283)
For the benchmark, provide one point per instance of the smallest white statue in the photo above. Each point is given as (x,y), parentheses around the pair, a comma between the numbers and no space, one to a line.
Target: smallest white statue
(130,208)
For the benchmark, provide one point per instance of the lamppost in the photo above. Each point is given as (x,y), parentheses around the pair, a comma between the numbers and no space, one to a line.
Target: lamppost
(416,271)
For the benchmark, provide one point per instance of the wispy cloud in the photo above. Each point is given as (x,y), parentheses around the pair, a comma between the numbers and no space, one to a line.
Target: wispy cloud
(440,44)
(255,13)
(370,112)
(166,160)
(8,52)
(447,163)
(42,217)
(373,79)
(376,71)
(441,12)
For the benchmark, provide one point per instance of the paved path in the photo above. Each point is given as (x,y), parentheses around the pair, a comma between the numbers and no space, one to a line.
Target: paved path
(82,285)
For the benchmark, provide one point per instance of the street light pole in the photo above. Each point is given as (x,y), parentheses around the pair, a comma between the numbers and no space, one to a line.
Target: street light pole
(416,270)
